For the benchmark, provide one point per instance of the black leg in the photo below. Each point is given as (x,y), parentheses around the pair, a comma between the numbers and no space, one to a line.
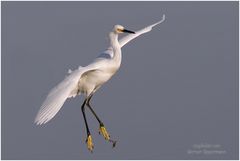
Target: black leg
(88,104)
(102,128)
(84,116)
(89,137)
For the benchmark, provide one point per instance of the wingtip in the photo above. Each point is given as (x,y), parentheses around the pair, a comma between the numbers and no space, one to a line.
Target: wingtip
(36,122)
(40,122)
(163,17)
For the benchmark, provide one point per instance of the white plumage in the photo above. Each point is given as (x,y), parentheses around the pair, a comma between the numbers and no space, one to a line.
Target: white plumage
(87,79)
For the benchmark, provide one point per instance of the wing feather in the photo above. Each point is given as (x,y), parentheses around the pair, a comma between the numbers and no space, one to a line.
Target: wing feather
(57,96)
(130,37)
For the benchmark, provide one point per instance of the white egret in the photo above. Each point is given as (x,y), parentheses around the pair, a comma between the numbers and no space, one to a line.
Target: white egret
(87,80)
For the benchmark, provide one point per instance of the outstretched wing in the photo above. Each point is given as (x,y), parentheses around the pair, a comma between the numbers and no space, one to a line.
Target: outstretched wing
(108,53)
(130,37)
(57,96)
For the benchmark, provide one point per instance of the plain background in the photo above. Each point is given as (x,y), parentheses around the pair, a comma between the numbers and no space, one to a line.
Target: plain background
(177,86)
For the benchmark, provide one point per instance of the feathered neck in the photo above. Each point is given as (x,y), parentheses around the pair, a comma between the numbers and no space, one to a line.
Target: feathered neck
(117,54)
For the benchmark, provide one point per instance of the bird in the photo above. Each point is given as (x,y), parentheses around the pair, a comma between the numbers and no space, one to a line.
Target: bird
(87,80)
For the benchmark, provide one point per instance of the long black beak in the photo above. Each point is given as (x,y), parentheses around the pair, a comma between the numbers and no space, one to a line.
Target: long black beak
(128,31)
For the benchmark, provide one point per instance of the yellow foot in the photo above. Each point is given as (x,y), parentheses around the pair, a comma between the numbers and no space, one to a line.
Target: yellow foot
(104,132)
(89,143)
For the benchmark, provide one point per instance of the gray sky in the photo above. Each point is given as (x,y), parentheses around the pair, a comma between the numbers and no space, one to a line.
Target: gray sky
(176,91)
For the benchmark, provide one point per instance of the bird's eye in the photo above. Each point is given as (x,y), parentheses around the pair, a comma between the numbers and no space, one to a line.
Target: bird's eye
(119,30)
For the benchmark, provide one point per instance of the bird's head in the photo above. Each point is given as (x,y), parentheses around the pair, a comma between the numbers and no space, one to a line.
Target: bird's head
(120,29)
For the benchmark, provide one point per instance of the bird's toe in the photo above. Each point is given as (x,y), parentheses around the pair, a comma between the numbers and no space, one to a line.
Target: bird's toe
(103,131)
(89,142)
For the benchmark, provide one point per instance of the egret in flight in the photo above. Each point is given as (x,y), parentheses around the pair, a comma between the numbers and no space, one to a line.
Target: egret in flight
(87,80)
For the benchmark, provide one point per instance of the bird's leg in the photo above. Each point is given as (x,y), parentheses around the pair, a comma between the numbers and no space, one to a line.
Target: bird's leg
(102,129)
(89,137)
(88,104)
